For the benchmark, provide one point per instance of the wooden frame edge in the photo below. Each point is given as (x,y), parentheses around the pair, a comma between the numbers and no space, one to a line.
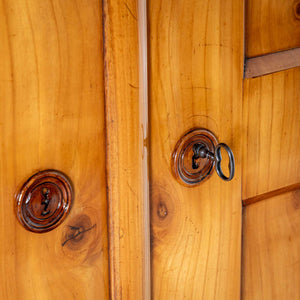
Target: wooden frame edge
(126,107)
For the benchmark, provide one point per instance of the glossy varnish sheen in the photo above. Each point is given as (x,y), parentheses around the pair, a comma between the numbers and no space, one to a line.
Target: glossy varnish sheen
(196,60)
(271,26)
(271,135)
(271,248)
(127,159)
(52,117)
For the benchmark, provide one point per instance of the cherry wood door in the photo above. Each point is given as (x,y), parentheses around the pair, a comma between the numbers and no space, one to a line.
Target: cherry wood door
(196,71)
(271,157)
(102,91)
(196,61)
(271,182)
(52,117)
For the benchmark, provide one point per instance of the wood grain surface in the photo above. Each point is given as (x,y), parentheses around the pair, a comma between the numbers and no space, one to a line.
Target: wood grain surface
(271,248)
(271,26)
(52,117)
(196,70)
(271,135)
(127,158)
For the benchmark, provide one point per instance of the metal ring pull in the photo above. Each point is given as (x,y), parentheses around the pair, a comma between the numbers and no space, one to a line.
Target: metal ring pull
(200,151)
(197,154)
(218,159)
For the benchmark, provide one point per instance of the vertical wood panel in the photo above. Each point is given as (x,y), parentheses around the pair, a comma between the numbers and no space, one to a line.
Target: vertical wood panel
(271,135)
(196,69)
(52,116)
(271,248)
(272,26)
(127,160)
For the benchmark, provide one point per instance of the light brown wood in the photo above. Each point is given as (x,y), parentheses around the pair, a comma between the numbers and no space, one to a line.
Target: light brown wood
(271,26)
(127,159)
(196,71)
(271,248)
(271,136)
(271,63)
(52,116)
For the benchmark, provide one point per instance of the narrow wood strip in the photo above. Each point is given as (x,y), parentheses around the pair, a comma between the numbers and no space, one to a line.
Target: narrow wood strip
(271,194)
(127,160)
(270,63)
(144,114)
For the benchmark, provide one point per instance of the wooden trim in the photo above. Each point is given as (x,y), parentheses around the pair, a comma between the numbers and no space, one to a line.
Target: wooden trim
(125,53)
(270,63)
(271,194)
(144,114)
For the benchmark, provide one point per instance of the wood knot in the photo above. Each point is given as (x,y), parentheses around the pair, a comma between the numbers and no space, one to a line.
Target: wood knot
(162,210)
(75,234)
(165,213)
(163,206)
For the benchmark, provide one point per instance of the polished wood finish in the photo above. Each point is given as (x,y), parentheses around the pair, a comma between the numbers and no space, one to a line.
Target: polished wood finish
(188,170)
(271,26)
(44,201)
(52,117)
(271,63)
(127,159)
(271,136)
(196,71)
(271,248)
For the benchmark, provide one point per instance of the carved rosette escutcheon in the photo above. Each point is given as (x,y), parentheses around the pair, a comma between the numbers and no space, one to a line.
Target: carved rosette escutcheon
(44,201)
(187,168)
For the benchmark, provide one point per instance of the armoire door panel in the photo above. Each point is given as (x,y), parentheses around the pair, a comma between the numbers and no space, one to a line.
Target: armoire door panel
(52,117)
(271,248)
(271,26)
(196,70)
(271,135)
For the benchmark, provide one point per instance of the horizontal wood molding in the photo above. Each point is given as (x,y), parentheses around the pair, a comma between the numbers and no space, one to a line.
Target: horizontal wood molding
(127,160)
(271,194)
(271,63)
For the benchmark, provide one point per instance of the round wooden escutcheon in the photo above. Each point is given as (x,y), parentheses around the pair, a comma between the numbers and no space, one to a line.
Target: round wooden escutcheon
(44,201)
(182,157)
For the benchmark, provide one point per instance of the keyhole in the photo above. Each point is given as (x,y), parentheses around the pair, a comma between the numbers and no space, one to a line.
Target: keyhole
(45,201)
(200,151)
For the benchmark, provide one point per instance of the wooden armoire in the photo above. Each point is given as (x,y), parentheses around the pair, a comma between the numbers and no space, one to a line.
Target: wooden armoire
(96,97)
